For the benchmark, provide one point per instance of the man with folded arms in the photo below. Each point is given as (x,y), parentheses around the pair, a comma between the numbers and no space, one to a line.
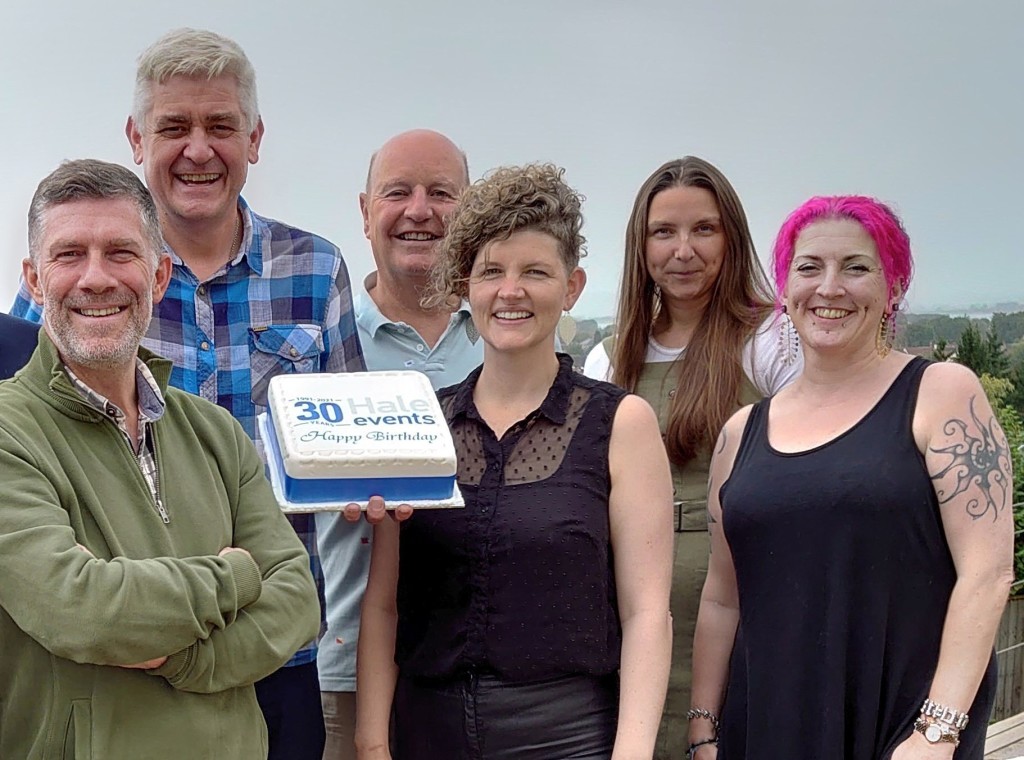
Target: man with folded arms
(147,575)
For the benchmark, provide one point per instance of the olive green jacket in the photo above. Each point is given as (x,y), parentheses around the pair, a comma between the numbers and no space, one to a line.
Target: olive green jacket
(145,588)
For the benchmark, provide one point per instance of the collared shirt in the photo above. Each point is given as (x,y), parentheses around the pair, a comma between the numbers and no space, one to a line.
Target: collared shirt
(396,345)
(151,408)
(344,546)
(282,305)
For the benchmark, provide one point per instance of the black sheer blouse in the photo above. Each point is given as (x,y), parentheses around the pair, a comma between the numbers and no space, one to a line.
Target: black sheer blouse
(520,583)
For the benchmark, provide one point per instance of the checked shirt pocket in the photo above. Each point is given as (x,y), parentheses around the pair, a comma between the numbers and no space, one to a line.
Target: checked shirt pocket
(281,349)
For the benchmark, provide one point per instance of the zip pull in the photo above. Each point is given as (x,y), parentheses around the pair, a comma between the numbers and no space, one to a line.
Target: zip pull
(163,512)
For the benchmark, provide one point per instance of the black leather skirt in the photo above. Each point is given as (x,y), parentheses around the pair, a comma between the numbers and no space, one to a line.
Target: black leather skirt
(480,717)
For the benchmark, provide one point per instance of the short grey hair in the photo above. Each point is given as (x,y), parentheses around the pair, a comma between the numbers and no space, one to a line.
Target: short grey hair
(89,179)
(194,53)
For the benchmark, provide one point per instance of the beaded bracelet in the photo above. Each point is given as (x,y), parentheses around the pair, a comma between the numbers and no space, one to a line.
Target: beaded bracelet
(697,712)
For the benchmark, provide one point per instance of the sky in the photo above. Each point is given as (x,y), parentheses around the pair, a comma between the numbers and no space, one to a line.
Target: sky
(917,102)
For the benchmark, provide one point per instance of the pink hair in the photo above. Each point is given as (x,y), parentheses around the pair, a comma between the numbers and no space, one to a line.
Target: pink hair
(877,219)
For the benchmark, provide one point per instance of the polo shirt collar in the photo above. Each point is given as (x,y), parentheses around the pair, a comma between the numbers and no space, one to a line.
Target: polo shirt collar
(368,315)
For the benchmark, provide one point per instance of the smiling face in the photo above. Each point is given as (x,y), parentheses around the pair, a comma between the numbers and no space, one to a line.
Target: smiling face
(518,288)
(414,183)
(835,292)
(195,148)
(685,244)
(97,278)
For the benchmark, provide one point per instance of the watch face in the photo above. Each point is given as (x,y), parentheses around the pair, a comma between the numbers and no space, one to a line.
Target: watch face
(933,733)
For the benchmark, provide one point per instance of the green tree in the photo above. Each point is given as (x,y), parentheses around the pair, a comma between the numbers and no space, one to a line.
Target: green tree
(1009,326)
(970,350)
(942,351)
(1015,397)
(982,353)
(998,390)
(998,364)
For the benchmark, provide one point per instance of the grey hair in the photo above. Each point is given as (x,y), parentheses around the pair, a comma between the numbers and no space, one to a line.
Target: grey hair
(194,53)
(89,179)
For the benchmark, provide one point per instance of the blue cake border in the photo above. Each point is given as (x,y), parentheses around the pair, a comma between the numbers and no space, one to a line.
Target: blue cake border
(327,494)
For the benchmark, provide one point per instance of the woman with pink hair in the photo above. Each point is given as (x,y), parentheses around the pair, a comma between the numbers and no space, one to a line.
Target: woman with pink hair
(861,528)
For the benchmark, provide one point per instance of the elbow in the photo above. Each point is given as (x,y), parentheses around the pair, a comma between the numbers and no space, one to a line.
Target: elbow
(1004,582)
(994,583)
(308,616)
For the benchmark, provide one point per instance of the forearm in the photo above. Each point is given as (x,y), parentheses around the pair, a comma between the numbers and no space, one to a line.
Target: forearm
(713,642)
(261,638)
(645,659)
(972,619)
(103,610)
(376,675)
(123,611)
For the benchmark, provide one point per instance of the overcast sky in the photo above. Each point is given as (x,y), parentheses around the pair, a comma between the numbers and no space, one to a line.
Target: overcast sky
(918,102)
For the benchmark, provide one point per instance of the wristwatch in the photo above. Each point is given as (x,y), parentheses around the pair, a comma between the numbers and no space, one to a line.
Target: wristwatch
(937,733)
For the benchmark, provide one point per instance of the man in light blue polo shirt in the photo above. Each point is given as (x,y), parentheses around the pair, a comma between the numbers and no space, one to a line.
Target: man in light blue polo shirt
(412,185)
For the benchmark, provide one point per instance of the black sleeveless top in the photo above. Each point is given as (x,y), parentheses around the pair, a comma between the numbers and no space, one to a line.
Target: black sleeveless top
(520,583)
(844,575)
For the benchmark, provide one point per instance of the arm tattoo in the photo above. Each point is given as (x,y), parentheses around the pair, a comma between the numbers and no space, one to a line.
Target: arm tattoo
(711,484)
(978,458)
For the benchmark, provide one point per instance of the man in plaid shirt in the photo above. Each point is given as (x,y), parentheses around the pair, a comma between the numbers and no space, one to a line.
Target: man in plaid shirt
(249,297)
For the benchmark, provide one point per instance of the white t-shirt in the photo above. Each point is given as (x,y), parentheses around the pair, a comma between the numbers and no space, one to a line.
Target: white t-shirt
(762,359)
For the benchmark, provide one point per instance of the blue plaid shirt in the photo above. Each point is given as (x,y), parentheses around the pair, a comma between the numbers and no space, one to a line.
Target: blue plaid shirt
(284,304)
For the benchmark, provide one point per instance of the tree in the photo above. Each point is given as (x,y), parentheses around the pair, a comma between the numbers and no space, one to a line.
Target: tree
(983,354)
(998,390)
(998,364)
(1009,326)
(970,350)
(942,351)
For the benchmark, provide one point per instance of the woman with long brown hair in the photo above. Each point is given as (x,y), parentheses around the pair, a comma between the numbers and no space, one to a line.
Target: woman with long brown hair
(697,338)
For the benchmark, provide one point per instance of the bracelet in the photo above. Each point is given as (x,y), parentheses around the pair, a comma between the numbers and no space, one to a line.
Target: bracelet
(697,745)
(697,712)
(943,714)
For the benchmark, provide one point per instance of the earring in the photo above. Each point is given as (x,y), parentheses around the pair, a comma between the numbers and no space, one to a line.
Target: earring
(886,332)
(789,339)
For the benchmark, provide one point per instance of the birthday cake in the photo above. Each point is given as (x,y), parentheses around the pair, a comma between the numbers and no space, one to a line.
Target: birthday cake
(346,437)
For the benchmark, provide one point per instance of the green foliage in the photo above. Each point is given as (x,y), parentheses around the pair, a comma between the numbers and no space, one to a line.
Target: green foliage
(941,351)
(1010,327)
(929,329)
(998,390)
(1015,398)
(982,353)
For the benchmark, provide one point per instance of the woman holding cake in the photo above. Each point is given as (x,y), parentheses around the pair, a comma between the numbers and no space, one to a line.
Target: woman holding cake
(533,623)
(696,338)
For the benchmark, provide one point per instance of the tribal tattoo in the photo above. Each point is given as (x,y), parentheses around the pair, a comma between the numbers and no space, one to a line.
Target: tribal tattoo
(711,484)
(979,458)
(721,443)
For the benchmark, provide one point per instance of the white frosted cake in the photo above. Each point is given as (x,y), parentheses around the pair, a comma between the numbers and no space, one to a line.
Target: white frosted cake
(346,437)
